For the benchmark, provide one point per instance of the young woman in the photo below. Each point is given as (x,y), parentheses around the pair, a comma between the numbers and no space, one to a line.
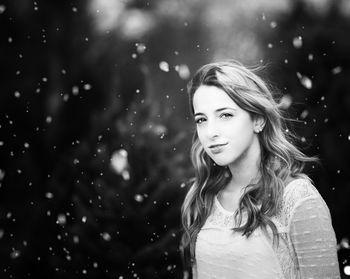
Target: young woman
(250,212)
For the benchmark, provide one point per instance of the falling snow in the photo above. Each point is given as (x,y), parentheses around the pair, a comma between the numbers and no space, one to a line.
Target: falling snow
(98,149)
(298,42)
(285,102)
(61,219)
(49,195)
(336,70)
(273,24)
(141,48)
(75,90)
(87,86)
(183,70)
(2,9)
(139,198)
(106,236)
(305,81)
(164,66)
(48,119)
(347,270)
(15,254)
(2,174)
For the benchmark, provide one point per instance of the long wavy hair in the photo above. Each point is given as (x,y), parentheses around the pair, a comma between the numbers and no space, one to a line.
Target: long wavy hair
(280,158)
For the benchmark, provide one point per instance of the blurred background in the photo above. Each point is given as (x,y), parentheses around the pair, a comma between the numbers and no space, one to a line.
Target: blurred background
(95,130)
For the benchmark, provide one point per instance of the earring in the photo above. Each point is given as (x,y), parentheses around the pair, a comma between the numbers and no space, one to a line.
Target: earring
(258,130)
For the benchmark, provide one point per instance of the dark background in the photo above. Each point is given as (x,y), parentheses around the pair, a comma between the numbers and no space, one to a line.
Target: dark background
(95,130)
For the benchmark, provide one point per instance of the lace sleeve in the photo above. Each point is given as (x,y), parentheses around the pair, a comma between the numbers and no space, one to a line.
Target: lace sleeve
(313,238)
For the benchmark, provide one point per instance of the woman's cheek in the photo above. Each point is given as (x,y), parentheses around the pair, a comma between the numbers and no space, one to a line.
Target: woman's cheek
(200,136)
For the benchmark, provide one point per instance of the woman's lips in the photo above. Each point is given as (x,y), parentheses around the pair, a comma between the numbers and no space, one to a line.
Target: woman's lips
(217,148)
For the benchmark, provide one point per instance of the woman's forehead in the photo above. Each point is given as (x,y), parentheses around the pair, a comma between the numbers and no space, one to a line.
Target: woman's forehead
(211,98)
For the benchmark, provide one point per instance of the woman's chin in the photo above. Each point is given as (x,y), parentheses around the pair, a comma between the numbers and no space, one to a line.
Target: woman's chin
(221,163)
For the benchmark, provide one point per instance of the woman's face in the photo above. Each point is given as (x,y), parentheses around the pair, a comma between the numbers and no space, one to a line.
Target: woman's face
(220,121)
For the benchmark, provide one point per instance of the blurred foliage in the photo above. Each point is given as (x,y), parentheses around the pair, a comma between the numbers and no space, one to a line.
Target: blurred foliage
(95,130)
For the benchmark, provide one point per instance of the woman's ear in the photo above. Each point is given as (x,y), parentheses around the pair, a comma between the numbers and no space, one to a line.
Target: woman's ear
(259,123)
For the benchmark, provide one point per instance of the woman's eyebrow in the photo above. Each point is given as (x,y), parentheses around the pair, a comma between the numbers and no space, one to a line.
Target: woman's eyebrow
(218,110)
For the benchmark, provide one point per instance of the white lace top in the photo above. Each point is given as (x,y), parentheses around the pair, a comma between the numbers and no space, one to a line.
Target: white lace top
(307,245)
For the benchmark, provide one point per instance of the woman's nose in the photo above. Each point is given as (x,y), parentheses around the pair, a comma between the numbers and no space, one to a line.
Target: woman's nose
(212,129)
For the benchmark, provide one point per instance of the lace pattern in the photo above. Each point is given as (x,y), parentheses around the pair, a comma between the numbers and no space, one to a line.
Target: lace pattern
(295,192)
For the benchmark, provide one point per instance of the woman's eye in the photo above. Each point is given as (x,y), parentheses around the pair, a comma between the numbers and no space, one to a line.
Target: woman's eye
(226,115)
(199,120)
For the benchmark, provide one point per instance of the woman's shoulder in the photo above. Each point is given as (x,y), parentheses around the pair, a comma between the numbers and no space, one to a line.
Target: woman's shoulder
(296,191)
(302,201)
(299,188)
